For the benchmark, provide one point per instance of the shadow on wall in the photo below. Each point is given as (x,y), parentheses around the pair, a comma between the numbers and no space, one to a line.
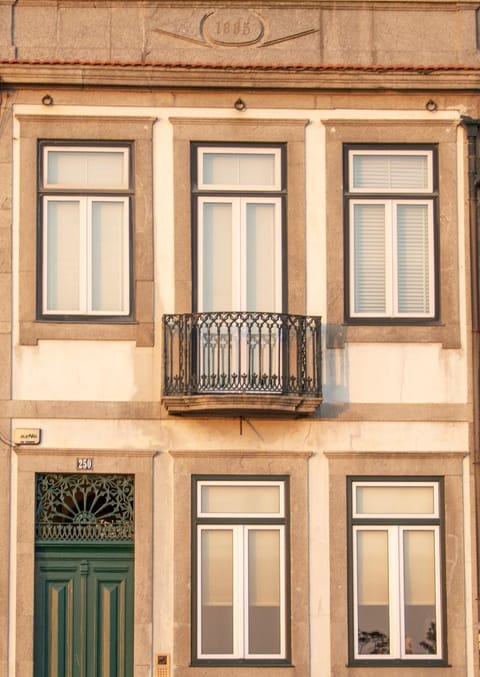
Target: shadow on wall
(336,385)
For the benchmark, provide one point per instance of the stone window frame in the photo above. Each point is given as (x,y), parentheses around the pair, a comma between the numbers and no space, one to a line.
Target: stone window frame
(138,131)
(290,134)
(234,463)
(445,330)
(410,466)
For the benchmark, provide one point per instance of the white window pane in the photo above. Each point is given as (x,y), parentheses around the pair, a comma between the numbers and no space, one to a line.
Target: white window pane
(217,288)
(108,256)
(261,261)
(373,592)
(369,258)
(264,584)
(393,500)
(62,234)
(391,172)
(239,169)
(216,591)
(89,169)
(240,499)
(419,592)
(413,258)
(257,170)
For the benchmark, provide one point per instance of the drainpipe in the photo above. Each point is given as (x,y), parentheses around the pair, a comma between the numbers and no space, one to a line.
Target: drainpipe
(13,48)
(473,150)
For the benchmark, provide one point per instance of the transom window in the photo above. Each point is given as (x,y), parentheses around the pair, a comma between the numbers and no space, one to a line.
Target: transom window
(396,573)
(390,209)
(240,569)
(85,231)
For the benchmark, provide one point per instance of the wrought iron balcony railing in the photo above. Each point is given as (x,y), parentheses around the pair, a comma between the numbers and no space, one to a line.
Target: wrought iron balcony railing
(242,353)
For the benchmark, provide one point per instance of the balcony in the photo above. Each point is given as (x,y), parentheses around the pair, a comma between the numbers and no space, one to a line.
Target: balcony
(242,364)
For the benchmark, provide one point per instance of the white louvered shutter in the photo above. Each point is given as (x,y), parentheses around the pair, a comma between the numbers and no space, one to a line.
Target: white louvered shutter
(414,256)
(369,263)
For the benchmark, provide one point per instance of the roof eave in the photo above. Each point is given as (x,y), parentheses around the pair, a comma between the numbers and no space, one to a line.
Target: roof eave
(235,76)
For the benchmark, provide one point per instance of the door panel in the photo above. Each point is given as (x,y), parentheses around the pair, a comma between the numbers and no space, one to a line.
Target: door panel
(109,632)
(84,612)
(55,624)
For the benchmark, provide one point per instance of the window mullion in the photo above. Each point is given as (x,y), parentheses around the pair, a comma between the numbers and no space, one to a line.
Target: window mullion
(395,590)
(278,257)
(355,589)
(126,255)
(200,247)
(240,596)
(45,261)
(401,591)
(391,258)
(246,592)
(283,588)
(431,262)
(199,588)
(240,256)
(86,282)
(438,596)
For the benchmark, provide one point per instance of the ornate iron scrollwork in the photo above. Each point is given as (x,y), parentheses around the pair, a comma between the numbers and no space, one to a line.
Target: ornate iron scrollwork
(242,352)
(84,507)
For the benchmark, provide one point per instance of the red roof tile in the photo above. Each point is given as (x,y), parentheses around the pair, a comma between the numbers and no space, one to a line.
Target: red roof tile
(312,68)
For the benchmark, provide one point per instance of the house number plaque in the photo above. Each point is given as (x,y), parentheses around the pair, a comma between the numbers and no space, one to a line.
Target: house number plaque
(85,464)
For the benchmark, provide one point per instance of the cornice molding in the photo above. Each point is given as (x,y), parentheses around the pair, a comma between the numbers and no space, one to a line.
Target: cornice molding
(67,75)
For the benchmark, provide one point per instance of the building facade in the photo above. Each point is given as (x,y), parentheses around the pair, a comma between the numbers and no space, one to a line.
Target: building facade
(239,338)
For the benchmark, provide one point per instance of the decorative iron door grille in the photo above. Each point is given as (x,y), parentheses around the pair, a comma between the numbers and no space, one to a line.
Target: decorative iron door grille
(84,507)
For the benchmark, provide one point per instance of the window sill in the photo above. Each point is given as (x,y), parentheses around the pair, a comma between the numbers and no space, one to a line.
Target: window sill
(392,331)
(393,663)
(242,663)
(140,332)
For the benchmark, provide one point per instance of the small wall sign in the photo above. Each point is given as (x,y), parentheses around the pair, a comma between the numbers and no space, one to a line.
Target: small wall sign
(27,436)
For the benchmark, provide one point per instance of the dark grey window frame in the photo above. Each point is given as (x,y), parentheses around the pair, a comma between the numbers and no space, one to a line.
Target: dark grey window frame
(42,192)
(351,522)
(196,521)
(196,193)
(348,196)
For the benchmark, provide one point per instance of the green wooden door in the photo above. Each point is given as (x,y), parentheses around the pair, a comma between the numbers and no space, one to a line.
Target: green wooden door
(84,575)
(84,611)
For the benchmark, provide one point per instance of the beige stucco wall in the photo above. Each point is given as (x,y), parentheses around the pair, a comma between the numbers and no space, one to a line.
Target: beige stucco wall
(96,390)
(430,360)
(82,400)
